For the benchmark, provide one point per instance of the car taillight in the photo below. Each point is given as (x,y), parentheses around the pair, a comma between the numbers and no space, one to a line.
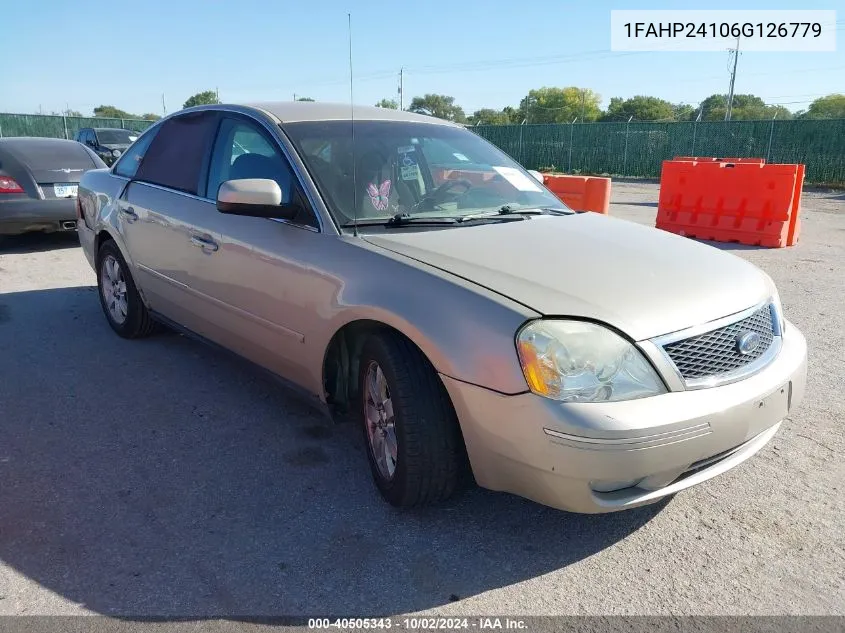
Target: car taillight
(79,214)
(9,185)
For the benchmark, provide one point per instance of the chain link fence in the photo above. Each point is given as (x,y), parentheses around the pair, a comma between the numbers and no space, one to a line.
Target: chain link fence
(616,149)
(58,126)
(638,149)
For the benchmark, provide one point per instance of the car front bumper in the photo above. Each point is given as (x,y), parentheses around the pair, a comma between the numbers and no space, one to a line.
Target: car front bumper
(27,214)
(604,457)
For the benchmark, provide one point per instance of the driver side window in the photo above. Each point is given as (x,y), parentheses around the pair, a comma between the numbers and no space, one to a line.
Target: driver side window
(242,151)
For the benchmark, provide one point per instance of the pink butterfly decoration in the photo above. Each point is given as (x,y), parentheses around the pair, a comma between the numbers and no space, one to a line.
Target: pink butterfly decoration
(379,197)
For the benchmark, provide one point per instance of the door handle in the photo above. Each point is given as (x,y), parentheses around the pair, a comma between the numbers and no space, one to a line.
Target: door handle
(130,212)
(206,244)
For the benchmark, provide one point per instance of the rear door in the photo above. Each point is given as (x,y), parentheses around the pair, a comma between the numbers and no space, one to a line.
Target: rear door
(160,208)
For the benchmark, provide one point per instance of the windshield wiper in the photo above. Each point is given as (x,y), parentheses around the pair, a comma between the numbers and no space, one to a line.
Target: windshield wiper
(510,210)
(402,219)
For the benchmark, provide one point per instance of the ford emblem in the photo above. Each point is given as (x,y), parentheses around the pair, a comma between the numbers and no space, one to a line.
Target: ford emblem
(747,342)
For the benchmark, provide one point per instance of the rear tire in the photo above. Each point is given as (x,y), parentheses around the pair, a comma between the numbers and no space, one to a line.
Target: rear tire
(122,304)
(424,462)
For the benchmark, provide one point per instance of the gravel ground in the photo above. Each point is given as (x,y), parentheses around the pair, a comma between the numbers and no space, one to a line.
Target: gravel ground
(161,477)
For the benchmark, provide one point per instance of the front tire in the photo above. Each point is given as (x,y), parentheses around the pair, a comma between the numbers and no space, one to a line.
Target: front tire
(122,305)
(411,432)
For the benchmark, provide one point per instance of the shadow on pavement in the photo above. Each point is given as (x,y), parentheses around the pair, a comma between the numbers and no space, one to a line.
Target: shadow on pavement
(37,242)
(162,478)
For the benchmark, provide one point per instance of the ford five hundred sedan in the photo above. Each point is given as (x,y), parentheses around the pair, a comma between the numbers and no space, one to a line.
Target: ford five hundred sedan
(406,274)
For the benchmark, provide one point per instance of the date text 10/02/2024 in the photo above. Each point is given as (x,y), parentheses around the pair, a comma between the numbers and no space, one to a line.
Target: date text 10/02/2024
(418,623)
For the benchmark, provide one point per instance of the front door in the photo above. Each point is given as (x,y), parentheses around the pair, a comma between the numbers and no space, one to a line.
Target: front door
(259,283)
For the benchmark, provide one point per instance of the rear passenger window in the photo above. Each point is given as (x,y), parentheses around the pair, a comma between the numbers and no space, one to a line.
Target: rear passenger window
(128,164)
(177,155)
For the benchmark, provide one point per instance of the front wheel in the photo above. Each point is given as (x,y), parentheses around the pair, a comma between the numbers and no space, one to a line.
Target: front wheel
(413,440)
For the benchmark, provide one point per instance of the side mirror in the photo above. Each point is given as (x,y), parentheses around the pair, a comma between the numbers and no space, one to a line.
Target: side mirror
(537,175)
(254,197)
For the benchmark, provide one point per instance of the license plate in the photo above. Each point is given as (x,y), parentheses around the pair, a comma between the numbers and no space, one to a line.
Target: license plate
(65,191)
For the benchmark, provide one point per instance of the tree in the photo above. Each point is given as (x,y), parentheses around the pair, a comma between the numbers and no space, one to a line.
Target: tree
(640,107)
(745,107)
(150,117)
(110,112)
(441,106)
(560,105)
(75,113)
(209,97)
(829,107)
(304,99)
(390,104)
(489,116)
(684,112)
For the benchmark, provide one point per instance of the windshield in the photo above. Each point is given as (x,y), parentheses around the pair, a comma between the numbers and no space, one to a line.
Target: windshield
(418,169)
(116,137)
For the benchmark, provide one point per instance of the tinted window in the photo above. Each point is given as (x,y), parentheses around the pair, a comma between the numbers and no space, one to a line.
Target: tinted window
(242,151)
(116,137)
(176,156)
(128,164)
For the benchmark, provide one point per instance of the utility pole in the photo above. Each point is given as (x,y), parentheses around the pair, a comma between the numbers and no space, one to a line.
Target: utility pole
(294,96)
(733,79)
(217,94)
(163,106)
(401,88)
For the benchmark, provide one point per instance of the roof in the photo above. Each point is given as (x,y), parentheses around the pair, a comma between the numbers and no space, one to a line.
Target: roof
(23,141)
(293,111)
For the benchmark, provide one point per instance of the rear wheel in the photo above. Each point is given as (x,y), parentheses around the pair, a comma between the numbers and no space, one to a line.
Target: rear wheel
(125,311)
(413,441)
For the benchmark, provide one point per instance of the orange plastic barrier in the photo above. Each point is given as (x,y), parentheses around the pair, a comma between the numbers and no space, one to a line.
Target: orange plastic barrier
(751,203)
(758,161)
(581,193)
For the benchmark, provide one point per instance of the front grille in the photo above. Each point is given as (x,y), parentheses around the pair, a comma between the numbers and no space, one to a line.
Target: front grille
(716,352)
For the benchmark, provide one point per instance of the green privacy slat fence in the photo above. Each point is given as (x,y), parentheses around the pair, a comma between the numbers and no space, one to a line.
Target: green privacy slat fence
(638,149)
(56,126)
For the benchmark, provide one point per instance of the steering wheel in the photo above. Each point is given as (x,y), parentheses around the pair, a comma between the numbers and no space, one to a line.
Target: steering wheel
(443,189)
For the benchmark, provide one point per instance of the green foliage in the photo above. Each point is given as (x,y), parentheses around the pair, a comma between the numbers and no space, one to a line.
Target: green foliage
(390,104)
(560,105)
(440,106)
(829,107)
(150,117)
(304,99)
(641,107)
(110,112)
(208,97)
(684,112)
(745,108)
(489,116)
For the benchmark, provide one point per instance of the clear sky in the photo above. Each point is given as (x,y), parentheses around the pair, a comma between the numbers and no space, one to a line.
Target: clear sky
(60,54)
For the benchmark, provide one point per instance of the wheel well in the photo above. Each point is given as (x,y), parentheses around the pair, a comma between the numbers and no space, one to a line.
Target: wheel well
(102,238)
(340,363)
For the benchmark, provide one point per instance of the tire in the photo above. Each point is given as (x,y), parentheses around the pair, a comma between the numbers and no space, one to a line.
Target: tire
(429,458)
(136,321)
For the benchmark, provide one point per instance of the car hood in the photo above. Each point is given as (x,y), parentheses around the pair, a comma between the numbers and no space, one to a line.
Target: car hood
(121,146)
(641,280)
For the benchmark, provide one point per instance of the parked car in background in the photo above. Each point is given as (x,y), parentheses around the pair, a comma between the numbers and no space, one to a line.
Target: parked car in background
(417,276)
(107,142)
(38,183)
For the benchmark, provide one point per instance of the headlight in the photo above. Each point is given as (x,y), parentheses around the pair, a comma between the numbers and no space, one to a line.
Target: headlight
(576,361)
(778,320)
(116,153)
